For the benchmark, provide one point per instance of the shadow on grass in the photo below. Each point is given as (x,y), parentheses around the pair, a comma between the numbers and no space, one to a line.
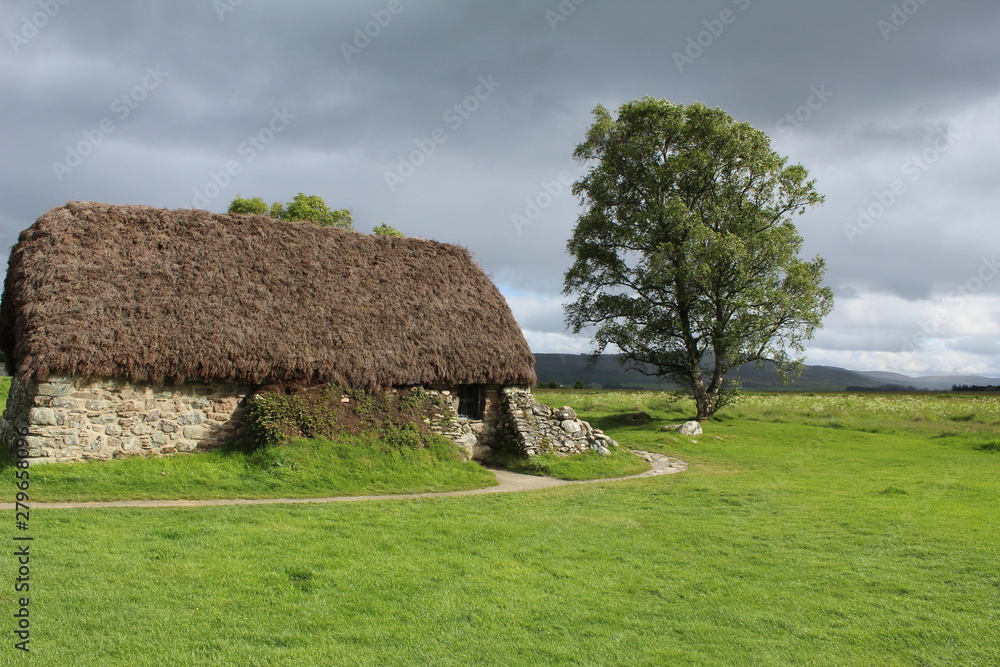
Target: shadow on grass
(7,462)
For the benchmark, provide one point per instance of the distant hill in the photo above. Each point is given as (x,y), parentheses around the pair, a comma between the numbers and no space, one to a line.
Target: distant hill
(934,382)
(565,369)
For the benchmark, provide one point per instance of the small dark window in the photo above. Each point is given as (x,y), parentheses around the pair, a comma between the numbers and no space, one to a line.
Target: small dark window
(469,404)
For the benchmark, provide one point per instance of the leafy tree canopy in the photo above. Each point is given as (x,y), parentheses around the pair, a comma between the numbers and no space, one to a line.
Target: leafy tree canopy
(685,257)
(385,230)
(248,206)
(302,207)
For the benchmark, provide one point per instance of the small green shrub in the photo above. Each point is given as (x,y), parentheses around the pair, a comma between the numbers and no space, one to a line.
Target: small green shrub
(385,230)
(362,402)
(404,437)
(414,400)
(274,417)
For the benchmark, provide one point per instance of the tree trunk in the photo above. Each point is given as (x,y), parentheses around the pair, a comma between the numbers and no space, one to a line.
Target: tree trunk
(704,402)
(706,407)
(708,400)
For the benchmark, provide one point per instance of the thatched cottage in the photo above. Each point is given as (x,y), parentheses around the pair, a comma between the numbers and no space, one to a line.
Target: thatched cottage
(131,329)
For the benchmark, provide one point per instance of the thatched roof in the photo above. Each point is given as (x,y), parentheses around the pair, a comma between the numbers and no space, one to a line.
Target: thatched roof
(157,295)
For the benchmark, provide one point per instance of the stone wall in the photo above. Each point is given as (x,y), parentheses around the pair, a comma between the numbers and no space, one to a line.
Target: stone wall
(514,421)
(475,437)
(67,419)
(532,428)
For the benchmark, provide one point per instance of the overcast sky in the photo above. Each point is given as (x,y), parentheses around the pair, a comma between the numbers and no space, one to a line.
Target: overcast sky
(456,121)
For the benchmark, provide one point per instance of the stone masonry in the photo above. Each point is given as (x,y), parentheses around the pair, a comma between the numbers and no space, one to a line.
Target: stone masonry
(514,420)
(475,438)
(64,419)
(535,429)
(67,419)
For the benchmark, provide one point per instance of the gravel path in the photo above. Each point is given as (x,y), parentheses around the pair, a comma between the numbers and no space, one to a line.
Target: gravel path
(508,482)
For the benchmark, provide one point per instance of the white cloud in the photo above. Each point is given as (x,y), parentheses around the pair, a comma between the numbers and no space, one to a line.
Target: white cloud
(547,341)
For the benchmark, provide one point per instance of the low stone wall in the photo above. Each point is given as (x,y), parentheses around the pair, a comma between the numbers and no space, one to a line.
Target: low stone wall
(514,421)
(533,428)
(475,438)
(67,419)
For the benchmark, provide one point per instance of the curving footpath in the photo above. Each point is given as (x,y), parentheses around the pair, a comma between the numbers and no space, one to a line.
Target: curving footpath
(507,482)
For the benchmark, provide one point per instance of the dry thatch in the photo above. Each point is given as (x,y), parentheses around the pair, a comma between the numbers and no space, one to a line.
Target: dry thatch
(156,295)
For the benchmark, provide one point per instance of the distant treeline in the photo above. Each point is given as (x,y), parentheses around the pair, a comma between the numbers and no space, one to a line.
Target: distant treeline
(883,387)
(975,387)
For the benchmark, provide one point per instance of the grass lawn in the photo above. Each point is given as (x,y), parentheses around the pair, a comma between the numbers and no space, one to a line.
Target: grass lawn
(809,530)
(619,463)
(349,466)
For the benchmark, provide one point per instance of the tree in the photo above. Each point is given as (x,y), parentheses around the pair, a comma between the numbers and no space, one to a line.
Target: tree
(579,384)
(385,230)
(251,206)
(313,208)
(685,257)
(302,207)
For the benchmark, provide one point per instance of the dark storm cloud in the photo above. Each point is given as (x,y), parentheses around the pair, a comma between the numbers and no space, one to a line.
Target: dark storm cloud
(386,112)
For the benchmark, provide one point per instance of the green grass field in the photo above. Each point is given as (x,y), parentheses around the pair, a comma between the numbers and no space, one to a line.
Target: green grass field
(349,466)
(809,530)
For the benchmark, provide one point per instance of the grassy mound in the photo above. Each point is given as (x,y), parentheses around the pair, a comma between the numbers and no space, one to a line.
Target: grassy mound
(304,444)
(302,468)
(590,465)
